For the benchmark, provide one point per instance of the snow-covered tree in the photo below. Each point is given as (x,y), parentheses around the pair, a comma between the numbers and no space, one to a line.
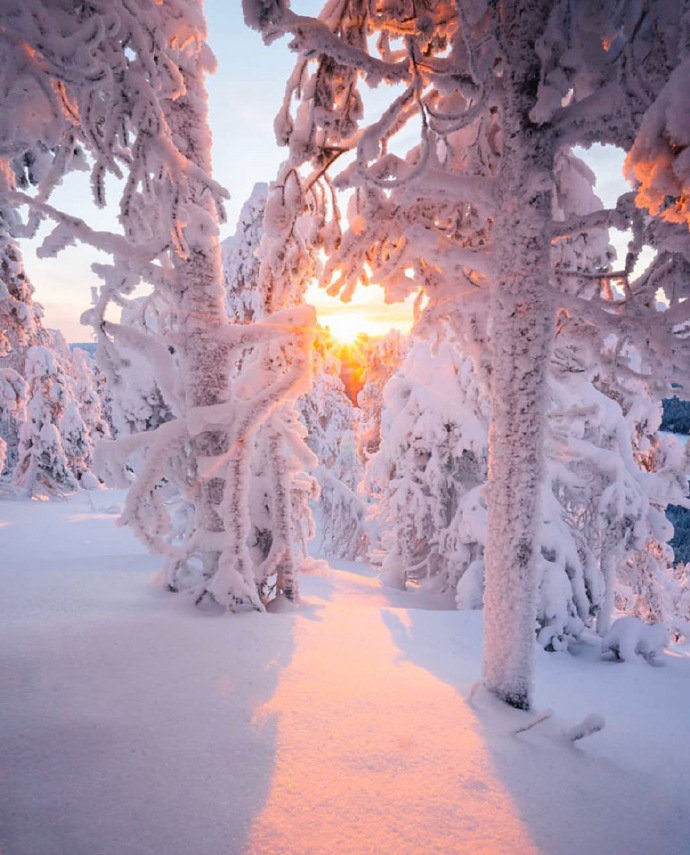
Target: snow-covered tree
(380,357)
(75,409)
(20,329)
(126,84)
(76,439)
(330,419)
(496,92)
(85,386)
(427,476)
(137,402)
(80,424)
(12,415)
(601,527)
(281,488)
(43,466)
(325,410)
(241,263)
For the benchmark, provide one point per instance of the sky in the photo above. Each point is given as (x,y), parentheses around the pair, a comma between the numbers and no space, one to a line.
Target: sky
(244,96)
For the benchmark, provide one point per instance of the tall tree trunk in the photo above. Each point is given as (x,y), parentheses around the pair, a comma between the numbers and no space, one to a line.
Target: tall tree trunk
(286,575)
(523,323)
(202,316)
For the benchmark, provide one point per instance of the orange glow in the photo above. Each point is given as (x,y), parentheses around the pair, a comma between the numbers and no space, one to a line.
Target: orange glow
(354,772)
(660,189)
(367,313)
(346,327)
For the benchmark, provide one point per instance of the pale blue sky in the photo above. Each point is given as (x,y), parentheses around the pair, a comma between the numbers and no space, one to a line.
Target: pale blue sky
(244,95)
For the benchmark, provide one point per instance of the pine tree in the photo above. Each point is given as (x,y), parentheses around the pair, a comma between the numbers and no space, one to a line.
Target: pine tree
(380,358)
(330,419)
(85,381)
(241,263)
(13,398)
(20,329)
(43,466)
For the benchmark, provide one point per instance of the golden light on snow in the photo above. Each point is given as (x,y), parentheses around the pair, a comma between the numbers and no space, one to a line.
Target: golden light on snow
(354,772)
(366,313)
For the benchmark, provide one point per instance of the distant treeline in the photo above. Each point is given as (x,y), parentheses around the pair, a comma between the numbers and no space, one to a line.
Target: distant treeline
(676,419)
(680,517)
(88,346)
(676,416)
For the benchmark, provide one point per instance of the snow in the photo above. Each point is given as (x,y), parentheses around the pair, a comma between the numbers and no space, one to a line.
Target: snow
(629,637)
(132,722)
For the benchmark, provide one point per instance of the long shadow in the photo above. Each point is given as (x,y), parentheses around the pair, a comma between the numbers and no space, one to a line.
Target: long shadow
(573,798)
(135,730)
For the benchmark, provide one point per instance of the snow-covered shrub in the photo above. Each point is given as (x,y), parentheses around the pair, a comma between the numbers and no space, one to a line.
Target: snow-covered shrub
(629,637)
(681,605)
(425,478)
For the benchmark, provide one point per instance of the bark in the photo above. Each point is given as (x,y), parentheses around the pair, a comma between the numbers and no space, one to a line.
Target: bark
(286,576)
(202,311)
(523,322)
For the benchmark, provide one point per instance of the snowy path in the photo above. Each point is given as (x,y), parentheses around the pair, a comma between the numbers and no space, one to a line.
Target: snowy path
(374,754)
(130,724)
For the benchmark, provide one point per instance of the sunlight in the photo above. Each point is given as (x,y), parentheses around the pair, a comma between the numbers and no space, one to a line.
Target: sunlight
(356,769)
(366,313)
(347,327)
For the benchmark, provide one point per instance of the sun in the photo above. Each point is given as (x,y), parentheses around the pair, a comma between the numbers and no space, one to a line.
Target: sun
(347,327)
(366,314)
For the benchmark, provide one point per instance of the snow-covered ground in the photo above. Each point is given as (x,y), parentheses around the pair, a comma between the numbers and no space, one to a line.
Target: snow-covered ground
(131,723)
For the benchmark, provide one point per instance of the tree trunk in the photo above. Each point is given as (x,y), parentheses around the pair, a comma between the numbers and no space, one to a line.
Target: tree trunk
(202,319)
(522,315)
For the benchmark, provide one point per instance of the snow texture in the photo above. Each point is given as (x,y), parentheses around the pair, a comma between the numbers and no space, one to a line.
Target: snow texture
(629,637)
(130,723)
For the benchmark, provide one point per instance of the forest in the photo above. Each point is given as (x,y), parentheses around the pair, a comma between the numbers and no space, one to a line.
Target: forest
(417,575)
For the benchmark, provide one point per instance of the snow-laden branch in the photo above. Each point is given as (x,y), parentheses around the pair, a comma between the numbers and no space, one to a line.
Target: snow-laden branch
(71,229)
(313,37)
(606,218)
(597,118)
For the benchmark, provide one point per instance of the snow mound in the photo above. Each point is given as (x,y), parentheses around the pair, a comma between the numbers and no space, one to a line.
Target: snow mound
(629,637)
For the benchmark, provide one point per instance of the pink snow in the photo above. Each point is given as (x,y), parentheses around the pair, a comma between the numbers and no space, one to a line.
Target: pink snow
(131,723)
